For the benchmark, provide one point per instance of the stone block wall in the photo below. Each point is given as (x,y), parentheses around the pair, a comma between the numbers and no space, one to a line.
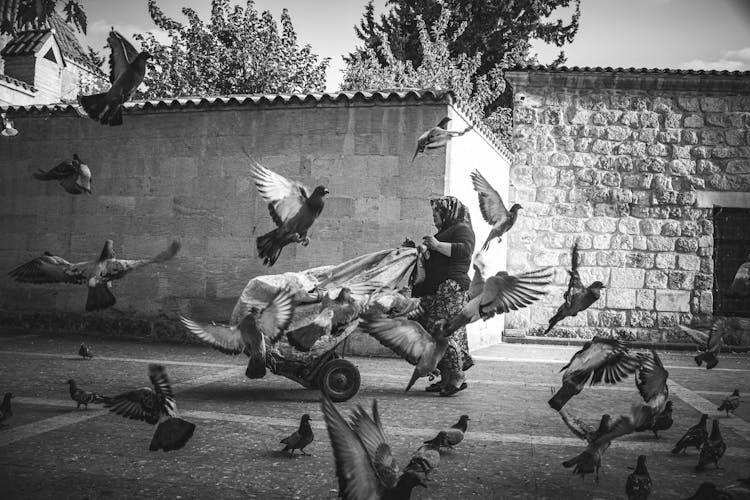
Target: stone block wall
(630,164)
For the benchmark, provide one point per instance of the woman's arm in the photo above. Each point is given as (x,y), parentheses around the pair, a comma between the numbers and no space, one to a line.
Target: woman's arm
(459,244)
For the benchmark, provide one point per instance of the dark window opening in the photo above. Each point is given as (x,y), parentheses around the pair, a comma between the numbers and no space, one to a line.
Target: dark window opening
(731,249)
(50,55)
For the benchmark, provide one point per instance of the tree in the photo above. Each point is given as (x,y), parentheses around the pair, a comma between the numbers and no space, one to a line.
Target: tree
(238,51)
(19,15)
(437,69)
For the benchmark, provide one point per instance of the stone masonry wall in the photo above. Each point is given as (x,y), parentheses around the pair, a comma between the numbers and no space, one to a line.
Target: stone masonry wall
(630,166)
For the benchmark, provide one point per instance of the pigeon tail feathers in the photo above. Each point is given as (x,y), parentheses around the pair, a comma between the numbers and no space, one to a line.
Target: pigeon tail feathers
(172,434)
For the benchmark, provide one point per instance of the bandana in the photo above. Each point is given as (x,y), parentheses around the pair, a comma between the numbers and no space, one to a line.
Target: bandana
(450,211)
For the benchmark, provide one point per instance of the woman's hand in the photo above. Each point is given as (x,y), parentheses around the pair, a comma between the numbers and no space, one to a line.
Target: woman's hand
(430,242)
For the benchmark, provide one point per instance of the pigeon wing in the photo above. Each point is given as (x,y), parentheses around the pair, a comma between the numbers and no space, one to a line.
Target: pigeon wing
(62,170)
(697,336)
(222,338)
(285,198)
(140,404)
(370,433)
(575,286)
(357,479)
(716,337)
(50,268)
(158,376)
(117,268)
(503,293)
(606,359)
(477,283)
(276,317)
(121,56)
(405,337)
(652,378)
(490,203)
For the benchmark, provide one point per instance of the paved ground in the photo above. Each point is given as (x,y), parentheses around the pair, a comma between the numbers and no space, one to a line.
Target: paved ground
(513,448)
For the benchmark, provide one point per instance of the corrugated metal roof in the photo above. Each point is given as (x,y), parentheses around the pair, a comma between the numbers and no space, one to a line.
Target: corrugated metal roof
(609,69)
(26,43)
(18,83)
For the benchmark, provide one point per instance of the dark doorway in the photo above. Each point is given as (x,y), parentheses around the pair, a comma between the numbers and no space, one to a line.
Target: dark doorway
(731,248)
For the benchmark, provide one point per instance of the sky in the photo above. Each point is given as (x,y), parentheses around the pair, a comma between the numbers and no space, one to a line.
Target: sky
(676,34)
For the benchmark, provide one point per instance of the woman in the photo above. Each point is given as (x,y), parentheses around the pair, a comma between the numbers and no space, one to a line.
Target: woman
(443,291)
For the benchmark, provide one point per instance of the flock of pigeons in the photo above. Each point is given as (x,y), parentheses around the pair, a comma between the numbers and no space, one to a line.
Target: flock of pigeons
(365,466)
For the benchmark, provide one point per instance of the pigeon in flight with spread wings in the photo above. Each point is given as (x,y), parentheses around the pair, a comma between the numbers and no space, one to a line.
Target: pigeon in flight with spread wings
(365,466)
(293,208)
(256,326)
(127,67)
(97,274)
(437,137)
(157,405)
(578,297)
(73,175)
(493,209)
(710,344)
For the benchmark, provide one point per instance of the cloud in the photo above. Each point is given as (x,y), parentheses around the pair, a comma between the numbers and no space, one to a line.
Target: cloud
(731,60)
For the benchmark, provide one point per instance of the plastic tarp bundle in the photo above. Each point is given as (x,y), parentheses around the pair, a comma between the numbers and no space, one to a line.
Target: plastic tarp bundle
(383,269)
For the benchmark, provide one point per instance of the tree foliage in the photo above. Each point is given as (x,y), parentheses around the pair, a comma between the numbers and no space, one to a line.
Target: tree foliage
(19,15)
(240,50)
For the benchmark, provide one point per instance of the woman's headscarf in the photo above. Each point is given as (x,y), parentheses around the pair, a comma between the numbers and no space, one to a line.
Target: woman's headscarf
(450,211)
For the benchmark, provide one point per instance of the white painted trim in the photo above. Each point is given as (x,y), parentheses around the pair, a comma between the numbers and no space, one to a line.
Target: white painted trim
(709,199)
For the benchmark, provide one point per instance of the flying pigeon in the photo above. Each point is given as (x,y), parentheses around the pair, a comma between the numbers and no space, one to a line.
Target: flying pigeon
(73,175)
(437,137)
(256,326)
(85,351)
(365,466)
(127,67)
(661,422)
(5,410)
(710,344)
(600,359)
(583,430)
(293,208)
(453,435)
(577,298)
(84,397)
(411,341)
(300,438)
(97,274)
(740,286)
(638,486)
(731,403)
(427,457)
(393,304)
(493,209)
(695,436)
(334,313)
(157,405)
(713,449)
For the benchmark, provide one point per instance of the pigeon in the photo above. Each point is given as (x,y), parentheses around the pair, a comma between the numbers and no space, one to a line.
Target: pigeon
(84,397)
(5,410)
(731,403)
(589,461)
(257,326)
(577,298)
(710,344)
(713,449)
(293,208)
(695,436)
(662,422)
(411,341)
(638,485)
(157,405)
(427,457)
(599,359)
(97,274)
(127,67)
(437,137)
(740,286)
(365,466)
(302,437)
(73,175)
(453,435)
(334,313)
(85,351)
(493,209)
(584,431)
(393,304)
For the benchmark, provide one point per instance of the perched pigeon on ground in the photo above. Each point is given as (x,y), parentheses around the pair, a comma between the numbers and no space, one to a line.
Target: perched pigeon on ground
(73,175)
(710,344)
(453,435)
(84,397)
(638,485)
(127,67)
(97,274)
(5,410)
(300,438)
(257,326)
(157,405)
(740,286)
(365,466)
(577,298)
(695,436)
(731,403)
(493,209)
(411,341)
(437,137)
(662,422)
(293,208)
(601,359)
(427,457)
(85,351)
(713,449)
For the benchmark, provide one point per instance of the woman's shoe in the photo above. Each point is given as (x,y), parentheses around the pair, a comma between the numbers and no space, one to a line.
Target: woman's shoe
(451,390)
(436,387)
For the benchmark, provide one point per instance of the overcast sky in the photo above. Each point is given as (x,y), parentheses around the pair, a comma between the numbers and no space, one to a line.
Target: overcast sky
(679,34)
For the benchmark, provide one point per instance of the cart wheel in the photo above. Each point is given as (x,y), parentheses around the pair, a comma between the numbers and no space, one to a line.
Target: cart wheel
(339,380)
